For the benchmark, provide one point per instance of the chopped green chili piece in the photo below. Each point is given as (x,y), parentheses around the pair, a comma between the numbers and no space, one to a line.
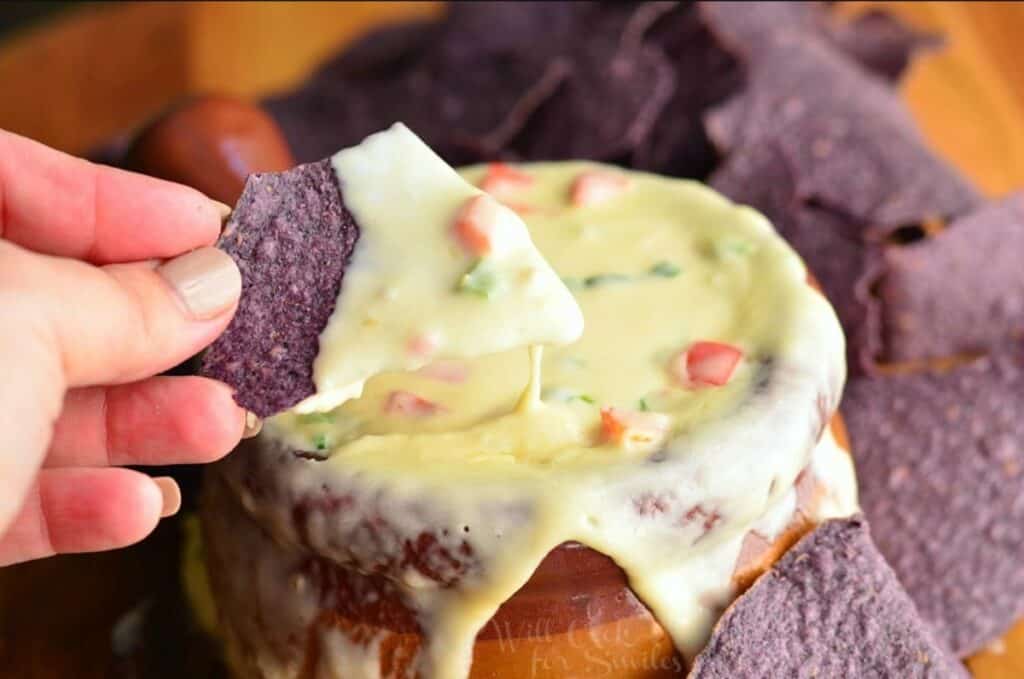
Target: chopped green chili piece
(481,280)
(604,279)
(586,398)
(320,441)
(643,405)
(665,269)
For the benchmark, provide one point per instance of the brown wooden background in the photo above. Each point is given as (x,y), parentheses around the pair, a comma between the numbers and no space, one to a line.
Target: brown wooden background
(101,70)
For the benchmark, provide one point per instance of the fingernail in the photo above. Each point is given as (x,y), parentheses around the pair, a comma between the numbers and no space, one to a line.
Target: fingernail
(170,493)
(253,425)
(222,209)
(207,280)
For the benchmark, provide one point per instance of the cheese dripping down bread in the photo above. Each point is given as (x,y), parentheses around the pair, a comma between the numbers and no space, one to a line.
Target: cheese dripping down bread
(688,422)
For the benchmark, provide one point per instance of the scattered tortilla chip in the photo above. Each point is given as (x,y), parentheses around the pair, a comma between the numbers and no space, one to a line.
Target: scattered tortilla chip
(560,66)
(382,52)
(318,119)
(575,123)
(631,82)
(851,143)
(844,265)
(831,607)
(446,90)
(576,61)
(291,237)
(882,43)
(959,292)
(845,268)
(705,75)
(877,40)
(940,464)
(478,41)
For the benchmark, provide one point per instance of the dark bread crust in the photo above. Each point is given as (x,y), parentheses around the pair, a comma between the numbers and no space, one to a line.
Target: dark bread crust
(573,590)
(292,238)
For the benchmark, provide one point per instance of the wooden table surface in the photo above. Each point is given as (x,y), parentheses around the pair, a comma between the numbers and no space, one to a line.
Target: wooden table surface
(105,69)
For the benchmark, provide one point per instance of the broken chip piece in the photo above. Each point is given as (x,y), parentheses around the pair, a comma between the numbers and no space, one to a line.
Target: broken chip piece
(881,42)
(831,607)
(940,464)
(959,292)
(850,143)
(842,262)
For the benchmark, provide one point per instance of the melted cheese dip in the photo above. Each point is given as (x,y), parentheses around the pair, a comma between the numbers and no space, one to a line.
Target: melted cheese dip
(657,267)
(412,292)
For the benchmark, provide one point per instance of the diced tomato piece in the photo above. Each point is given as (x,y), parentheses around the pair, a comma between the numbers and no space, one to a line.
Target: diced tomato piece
(502,179)
(475,225)
(712,362)
(612,426)
(596,187)
(633,429)
(453,372)
(706,364)
(424,344)
(407,403)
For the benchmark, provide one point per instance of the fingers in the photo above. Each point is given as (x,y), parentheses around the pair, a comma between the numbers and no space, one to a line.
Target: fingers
(162,420)
(57,204)
(87,510)
(118,323)
(31,391)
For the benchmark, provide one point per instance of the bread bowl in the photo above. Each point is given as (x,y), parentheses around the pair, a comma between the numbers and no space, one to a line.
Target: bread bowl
(316,569)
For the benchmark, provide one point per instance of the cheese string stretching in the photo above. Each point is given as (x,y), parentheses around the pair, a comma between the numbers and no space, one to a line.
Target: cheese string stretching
(106,279)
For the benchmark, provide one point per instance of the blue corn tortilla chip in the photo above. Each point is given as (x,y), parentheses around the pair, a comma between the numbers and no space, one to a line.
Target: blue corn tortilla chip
(831,607)
(305,118)
(845,268)
(385,51)
(456,82)
(630,81)
(574,123)
(292,237)
(705,75)
(761,176)
(479,72)
(476,93)
(878,41)
(851,143)
(940,465)
(959,292)
(573,60)
(882,43)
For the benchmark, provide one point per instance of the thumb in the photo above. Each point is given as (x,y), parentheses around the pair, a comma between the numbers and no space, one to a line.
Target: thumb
(121,322)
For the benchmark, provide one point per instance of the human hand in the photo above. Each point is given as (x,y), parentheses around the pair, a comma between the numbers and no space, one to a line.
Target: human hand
(106,279)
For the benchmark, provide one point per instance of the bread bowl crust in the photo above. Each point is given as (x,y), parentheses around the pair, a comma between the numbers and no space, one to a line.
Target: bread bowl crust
(544,619)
